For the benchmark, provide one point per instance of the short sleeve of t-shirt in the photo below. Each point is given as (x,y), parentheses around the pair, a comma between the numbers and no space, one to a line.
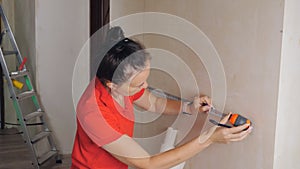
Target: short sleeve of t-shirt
(98,121)
(99,126)
(90,115)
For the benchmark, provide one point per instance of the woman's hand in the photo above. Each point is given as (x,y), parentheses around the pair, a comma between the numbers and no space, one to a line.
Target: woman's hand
(225,135)
(200,104)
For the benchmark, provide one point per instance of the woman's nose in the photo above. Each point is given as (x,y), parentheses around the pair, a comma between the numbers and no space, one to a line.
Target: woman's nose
(145,85)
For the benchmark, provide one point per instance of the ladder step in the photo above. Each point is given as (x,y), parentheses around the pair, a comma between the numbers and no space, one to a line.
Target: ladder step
(40,136)
(46,157)
(10,52)
(17,74)
(25,95)
(33,115)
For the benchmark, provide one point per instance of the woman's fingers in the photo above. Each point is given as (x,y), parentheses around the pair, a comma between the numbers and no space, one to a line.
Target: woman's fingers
(225,119)
(227,135)
(239,128)
(203,103)
(239,136)
(237,133)
(205,100)
(239,139)
(204,108)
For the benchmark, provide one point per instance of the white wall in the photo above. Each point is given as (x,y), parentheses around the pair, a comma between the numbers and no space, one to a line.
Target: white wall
(287,143)
(25,32)
(62,28)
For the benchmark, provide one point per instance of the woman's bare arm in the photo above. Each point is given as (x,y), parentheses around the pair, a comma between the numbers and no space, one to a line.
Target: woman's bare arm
(152,103)
(131,153)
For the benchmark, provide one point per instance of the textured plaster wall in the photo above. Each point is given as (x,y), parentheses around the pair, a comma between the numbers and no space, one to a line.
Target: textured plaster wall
(247,35)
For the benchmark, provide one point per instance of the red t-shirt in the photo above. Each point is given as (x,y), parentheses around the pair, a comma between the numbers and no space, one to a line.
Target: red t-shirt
(100,120)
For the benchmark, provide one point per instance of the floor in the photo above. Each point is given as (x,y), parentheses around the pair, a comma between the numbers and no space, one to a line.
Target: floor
(14,153)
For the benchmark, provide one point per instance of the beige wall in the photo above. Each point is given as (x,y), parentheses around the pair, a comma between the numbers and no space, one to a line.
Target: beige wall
(125,7)
(241,32)
(247,35)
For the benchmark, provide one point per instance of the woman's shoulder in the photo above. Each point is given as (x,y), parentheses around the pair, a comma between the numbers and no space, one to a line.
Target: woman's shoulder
(91,100)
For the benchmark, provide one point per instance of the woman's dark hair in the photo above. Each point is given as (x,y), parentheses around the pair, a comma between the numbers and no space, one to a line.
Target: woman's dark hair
(123,58)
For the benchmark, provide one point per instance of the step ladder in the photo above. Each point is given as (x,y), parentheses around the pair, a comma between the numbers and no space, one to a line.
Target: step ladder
(36,133)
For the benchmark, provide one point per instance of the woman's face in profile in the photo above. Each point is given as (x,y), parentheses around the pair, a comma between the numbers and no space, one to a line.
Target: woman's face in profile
(136,83)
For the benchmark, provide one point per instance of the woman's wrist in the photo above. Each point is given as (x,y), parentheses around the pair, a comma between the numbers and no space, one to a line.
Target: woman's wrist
(191,108)
(205,142)
(186,108)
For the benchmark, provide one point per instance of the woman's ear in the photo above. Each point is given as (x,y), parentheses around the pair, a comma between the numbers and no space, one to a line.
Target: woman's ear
(111,85)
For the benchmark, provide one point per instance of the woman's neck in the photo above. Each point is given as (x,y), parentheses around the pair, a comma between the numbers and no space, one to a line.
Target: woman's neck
(118,98)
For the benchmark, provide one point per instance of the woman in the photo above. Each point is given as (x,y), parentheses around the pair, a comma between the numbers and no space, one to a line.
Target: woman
(105,117)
